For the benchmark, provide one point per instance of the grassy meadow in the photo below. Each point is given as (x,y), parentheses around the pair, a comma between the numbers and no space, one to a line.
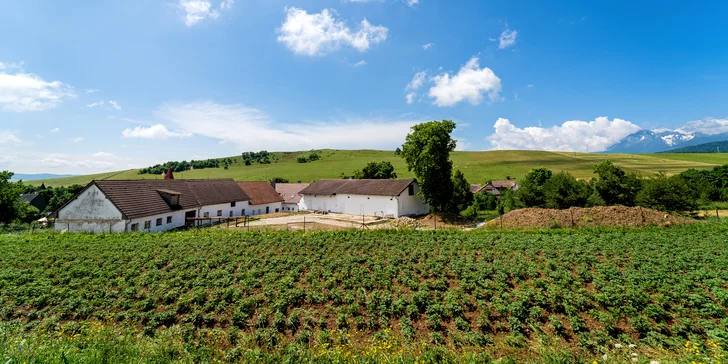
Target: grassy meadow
(478,167)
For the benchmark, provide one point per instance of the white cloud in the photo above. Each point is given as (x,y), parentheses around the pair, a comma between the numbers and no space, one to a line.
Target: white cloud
(412,2)
(251,129)
(94,104)
(103,155)
(317,34)
(55,130)
(91,90)
(576,135)
(410,97)
(157,131)
(59,160)
(77,139)
(427,46)
(507,38)
(417,81)
(114,104)
(470,83)
(708,126)
(7,137)
(198,10)
(29,92)
(360,63)
(5,66)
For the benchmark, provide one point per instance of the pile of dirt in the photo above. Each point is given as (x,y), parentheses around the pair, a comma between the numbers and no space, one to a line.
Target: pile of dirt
(444,220)
(405,223)
(585,217)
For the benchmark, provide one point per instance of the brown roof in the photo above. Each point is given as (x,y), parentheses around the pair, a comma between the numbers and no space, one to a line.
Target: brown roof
(290,191)
(374,187)
(504,184)
(260,192)
(475,188)
(139,198)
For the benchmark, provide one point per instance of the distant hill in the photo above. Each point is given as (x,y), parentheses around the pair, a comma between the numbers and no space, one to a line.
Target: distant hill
(655,141)
(478,166)
(38,176)
(712,147)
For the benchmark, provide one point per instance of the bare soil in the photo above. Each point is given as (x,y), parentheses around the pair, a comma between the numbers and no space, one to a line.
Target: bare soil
(585,217)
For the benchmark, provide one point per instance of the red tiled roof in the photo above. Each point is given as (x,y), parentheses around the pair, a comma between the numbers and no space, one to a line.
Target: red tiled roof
(290,191)
(475,188)
(139,198)
(504,184)
(373,187)
(260,192)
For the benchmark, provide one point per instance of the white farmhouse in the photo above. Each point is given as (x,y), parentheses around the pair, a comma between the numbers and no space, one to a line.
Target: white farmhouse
(263,198)
(148,205)
(292,198)
(373,197)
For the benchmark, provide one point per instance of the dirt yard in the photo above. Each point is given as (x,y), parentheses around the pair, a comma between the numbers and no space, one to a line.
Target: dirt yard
(585,217)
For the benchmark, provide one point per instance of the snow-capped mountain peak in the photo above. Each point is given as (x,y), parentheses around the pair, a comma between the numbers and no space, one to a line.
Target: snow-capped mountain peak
(653,141)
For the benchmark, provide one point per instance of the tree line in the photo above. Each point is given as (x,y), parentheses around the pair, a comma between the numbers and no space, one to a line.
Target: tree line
(185,165)
(13,210)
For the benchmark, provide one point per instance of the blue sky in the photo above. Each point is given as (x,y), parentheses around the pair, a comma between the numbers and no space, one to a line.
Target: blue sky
(96,86)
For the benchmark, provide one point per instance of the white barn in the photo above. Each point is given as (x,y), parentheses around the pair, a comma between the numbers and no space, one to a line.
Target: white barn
(373,197)
(148,205)
(292,198)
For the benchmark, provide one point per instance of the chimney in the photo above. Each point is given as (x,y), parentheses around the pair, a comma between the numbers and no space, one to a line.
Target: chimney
(169,174)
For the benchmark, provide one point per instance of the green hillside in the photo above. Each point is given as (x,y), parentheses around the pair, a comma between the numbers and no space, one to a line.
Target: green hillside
(477,166)
(712,147)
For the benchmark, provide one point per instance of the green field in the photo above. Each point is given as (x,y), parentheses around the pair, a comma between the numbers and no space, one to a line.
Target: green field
(478,167)
(377,296)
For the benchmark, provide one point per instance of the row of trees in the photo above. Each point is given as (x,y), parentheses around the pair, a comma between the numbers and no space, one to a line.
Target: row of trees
(612,185)
(185,165)
(313,156)
(262,157)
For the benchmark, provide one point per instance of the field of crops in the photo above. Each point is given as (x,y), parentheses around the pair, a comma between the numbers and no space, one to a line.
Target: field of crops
(605,295)
(478,166)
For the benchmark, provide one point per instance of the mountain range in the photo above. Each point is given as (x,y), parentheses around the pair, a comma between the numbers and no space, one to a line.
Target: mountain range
(654,141)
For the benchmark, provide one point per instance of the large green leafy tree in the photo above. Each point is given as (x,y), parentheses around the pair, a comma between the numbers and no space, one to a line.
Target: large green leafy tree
(427,152)
(376,170)
(562,191)
(461,196)
(530,194)
(614,186)
(667,194)
(9,197)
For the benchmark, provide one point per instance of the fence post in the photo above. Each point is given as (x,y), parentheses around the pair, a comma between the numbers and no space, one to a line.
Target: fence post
(716,213)
(304,224)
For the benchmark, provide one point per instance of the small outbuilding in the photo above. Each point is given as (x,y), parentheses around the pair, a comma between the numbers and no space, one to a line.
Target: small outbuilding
(34,199)
(292,199)
(373,197)
(263,198)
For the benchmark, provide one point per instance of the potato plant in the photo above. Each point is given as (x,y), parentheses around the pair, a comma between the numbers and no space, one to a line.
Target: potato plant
(489,293)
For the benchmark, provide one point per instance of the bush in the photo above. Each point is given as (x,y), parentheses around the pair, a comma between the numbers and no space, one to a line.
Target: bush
(667,194)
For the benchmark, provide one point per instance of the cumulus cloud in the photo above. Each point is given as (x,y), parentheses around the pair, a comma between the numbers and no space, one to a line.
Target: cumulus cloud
(252,129)
(708,126)
(114,104)
(158,131)
(412,2)
(427,46)
(575,135)
(318,34)
(7,137)
(470,83)
(507,38)
(29,92)
(198,10)
(417,81)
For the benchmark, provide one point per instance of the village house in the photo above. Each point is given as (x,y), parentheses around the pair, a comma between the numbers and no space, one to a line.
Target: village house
(495,187)
(374,197)
(263,198)
(149,205)
(292,199)
(35,200)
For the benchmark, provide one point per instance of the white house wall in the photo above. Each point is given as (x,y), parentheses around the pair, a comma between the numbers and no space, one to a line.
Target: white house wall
(412,205)
(226,209)
(178,219)
(260,209)
(289,207)
(90,211)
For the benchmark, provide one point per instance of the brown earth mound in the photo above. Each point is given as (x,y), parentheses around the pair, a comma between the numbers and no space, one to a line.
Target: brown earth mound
(584,217)
(443,220)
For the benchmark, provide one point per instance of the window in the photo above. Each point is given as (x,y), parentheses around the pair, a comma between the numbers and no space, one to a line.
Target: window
(231,213)
(276,210)
(232,204)
(207,214)
(411,190)
(134,227)
(243,213)
(159,222)
(169,219)
(219,212)
(147,224)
